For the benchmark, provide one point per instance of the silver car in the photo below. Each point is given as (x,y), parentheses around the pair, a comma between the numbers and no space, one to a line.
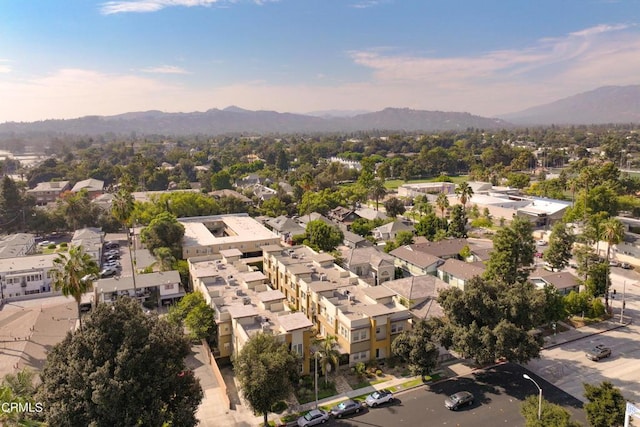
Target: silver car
(378,398)
(458,400)
(313,418)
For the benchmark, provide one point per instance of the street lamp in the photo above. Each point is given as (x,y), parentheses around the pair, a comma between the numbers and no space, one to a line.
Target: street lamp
(315,354)
(527,377)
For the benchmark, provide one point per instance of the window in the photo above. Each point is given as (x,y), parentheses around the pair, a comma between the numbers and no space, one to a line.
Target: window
(297,348)
(359,335)
(168,287)
(396,328)
(344,331)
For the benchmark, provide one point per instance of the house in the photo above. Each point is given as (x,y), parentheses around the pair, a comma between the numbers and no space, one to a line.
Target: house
(563,281)
(91,240)
(314,216)
(94,187)
(218,194)
(353,240)
(419,294)
(284,227)
(390,230)
(371,214)
(48,192)
(414,262)
(458,273)
(370,264)
(343,215)
(263,193)
(17,245)
(249,180)
(447,248)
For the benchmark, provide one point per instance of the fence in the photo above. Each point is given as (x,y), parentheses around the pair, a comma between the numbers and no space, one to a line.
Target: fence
(217,373)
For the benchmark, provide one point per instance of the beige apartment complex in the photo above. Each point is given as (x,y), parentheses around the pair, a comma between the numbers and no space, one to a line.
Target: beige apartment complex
(245,304)
(365,319)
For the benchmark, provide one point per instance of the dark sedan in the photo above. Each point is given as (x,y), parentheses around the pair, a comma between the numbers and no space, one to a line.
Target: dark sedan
(458,400)
(347,407)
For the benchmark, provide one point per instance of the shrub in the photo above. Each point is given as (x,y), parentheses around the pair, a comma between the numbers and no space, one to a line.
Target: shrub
(64,244)
(360,369)
(597,308)
(379,373)
(51,246)
(279,406)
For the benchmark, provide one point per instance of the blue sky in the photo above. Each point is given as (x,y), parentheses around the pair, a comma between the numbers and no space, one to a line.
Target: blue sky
(71,58)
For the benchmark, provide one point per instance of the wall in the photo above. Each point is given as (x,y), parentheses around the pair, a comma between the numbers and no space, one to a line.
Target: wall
(216,372)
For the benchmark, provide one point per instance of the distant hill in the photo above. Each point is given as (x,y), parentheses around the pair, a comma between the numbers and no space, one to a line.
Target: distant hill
(608,104)
(237,120)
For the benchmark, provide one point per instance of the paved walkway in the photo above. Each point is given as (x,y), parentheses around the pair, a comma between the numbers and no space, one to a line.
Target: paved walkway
(574,334)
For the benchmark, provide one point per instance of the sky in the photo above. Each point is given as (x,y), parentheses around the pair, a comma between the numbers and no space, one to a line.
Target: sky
(63,59)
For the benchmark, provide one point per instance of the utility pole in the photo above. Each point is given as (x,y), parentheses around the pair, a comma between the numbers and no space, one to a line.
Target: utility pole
(624,290)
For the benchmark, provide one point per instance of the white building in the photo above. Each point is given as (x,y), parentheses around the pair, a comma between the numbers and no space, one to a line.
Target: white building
(26,275)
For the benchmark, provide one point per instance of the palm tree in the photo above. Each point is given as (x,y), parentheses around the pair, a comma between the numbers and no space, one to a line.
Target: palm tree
(612,231)
(464,192)
(327,353)
(73,274)
(122,206)
(443,203)
(377,191)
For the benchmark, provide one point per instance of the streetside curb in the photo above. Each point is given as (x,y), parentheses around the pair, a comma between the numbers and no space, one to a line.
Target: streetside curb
(613,328)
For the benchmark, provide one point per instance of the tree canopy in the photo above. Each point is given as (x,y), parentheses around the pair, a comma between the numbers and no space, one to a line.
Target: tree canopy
(321,236)
(417,348)
(126,368)
(164,231)
(606,406)
(513,250)
(266,370)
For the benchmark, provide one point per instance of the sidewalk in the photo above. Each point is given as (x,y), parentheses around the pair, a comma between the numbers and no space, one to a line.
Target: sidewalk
(574,334)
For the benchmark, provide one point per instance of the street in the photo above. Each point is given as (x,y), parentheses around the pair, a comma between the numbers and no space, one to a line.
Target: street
(498,392)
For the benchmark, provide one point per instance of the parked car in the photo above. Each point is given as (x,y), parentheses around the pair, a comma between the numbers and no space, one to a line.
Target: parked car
(112,256)
(88,277)
(614,263)
(598,352)
(458,400)
(108,272)
(112,264)
(112,245)
(378,398)
(625,265)
(347,407)
(541,243)
(313,418)
(112,252)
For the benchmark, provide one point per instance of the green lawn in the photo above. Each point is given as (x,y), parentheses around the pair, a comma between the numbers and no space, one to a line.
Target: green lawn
(393,184)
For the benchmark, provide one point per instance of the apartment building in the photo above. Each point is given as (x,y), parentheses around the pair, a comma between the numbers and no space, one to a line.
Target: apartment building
(25,275)
(209,235)
(245,305)
(94,187)
(48,192)
(364,318)
(164,286)
(16,245)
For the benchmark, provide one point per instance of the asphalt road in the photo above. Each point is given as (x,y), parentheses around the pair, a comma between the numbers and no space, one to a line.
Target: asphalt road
(499,393)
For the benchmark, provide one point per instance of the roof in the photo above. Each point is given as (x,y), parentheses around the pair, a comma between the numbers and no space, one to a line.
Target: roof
(49,186)
(229,193)
(148,280)
(460,269)
(242,228)
(442,248)
(90,184)
(270,295)
(294,321)
(395,226)
(15,244)
(366,255)
(416,288)
(32,262)
(370,214)
(559,279)
(410,255)
(284,224)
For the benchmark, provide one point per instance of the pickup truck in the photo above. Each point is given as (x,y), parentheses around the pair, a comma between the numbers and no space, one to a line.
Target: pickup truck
(598,352)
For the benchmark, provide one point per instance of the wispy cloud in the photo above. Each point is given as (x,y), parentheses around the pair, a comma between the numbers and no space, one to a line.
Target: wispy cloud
(364,4)
(165,69)
(145,6)
(4,68)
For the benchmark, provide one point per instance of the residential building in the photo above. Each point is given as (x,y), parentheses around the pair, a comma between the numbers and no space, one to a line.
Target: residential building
(342,215)
(94,187)
(390,230)
(284,227)
(218,194)
(91,239)
(353,240)
(208,235)
(414,262)
(370,264)
(459,273)
(17,245)
(429,189)
(365,319)
(419,294)
(48,192)
(25,275)
(563,281)
(245,304)
(163,287)
(446,248)
(371,214)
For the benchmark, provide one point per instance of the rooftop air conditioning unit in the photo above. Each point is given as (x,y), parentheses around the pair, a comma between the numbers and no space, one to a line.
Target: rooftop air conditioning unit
(246,300)
(239,292)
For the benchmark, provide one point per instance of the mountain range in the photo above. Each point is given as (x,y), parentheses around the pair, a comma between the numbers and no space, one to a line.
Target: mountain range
(610,104)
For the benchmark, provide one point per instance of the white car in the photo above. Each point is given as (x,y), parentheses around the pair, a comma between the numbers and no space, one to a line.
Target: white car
(378,398)
(313,418)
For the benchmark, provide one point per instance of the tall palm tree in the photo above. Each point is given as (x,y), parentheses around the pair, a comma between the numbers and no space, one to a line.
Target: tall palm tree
(443,203)
(327,353)
(612,231)
(464,192)
(122,206)
(377,191)
(73,274)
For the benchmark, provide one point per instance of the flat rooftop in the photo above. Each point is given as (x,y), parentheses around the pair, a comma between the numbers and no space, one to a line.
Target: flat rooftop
(236,228)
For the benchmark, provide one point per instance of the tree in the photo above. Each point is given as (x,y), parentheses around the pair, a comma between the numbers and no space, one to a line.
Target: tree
(73,274)
(122,207)
(560,247)
(165,258)
(612,233)
(416,347)
(266,370)
(490,320)
(597,281)
(464,192)
(394,207)
(404,238)
(164,231)
(377,191)
(458,222)
(513,250)
(606,406)
(322,236)
(126,368)
(442,202)
(194,312)
(429,225)
(328,354)
(552,415)
(19,388)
